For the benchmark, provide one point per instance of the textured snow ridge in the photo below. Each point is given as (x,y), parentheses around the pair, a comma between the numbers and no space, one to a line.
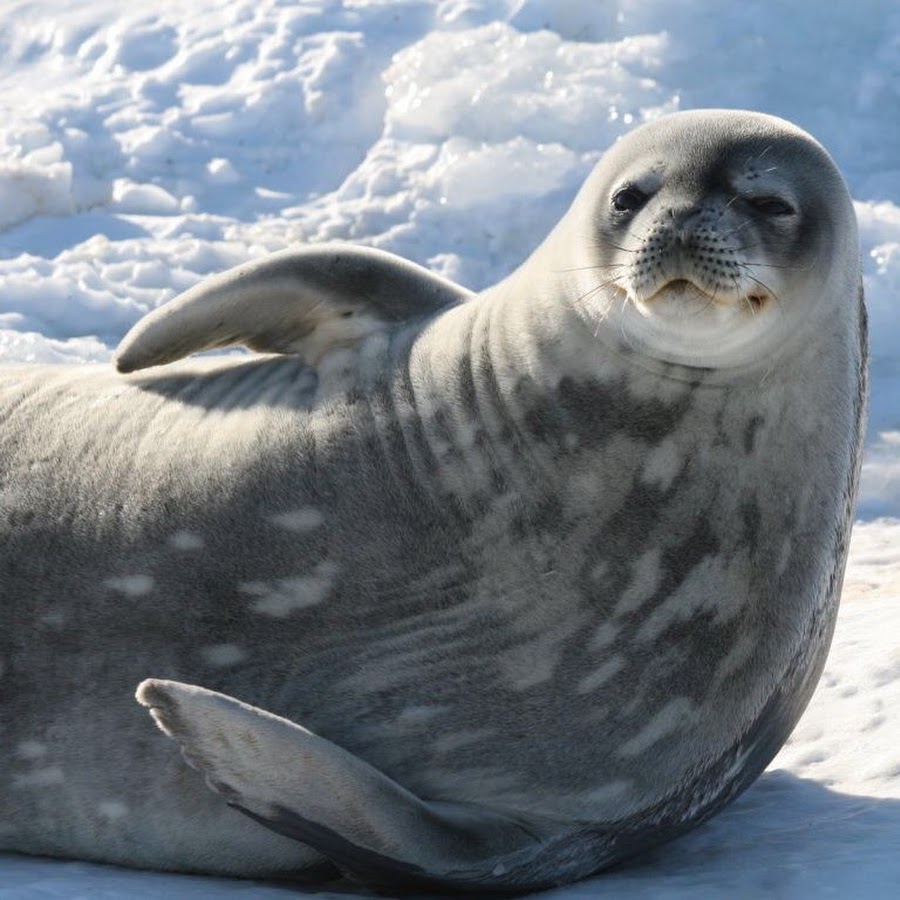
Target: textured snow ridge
(145,146)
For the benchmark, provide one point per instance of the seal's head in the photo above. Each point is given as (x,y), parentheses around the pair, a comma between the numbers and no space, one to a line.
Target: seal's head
(714,236)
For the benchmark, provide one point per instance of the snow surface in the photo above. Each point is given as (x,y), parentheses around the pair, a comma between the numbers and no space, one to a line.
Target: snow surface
(144,146)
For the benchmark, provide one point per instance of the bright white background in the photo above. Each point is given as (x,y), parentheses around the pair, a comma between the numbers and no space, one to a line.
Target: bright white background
(140,151)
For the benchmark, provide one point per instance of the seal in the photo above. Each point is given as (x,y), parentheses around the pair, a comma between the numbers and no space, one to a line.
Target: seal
(445,591)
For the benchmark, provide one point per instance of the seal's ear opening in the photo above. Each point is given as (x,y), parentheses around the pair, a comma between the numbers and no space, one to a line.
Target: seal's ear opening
(372,829)
(305,302)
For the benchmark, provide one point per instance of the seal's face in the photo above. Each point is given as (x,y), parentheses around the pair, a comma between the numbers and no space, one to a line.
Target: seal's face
(708,237)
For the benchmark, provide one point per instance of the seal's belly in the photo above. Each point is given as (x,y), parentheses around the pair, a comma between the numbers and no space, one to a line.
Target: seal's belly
(471,646)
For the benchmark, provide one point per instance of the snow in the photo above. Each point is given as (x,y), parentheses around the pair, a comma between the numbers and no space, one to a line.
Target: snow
(143,147)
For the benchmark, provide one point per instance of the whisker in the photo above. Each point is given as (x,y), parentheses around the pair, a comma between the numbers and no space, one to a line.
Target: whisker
(767,265)
(767,289)
(593,268)
(596,289)
(737,228)
(605,244)
(726,207)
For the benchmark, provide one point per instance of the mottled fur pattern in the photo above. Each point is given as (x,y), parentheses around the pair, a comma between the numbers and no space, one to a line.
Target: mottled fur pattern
(521,553)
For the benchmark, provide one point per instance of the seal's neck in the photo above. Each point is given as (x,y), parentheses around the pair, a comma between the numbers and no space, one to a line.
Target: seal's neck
(521,331)
(485,377)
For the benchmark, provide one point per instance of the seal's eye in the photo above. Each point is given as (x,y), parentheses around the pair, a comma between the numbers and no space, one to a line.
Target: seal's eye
(772,206)
(628,199)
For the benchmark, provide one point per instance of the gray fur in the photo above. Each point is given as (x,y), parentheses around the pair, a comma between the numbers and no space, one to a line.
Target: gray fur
(552,571)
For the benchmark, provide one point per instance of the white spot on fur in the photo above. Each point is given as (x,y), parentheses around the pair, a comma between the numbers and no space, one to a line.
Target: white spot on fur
(283,596)
(610,792)
(186,540)
(53,619)
(646,575)
(584,490)
(675,715)
(710,585)
(40,778)
(662,464)
(131,585)
(31,750)
(112,810)
(417,715)
(738,654)
(530,663)
(534,661)
(450,743)
(604,636)
(223,654)
(601,675)
(300,520)
(784,557)
(466,432)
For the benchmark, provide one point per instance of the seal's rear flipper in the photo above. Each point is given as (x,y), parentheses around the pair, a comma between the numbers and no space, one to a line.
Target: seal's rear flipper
(370,827)
(305,302)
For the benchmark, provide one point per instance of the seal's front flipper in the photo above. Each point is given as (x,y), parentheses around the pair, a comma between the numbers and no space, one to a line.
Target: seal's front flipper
(370,827)
(305,302)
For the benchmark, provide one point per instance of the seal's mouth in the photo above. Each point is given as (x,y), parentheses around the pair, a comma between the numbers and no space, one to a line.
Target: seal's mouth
(686,292)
